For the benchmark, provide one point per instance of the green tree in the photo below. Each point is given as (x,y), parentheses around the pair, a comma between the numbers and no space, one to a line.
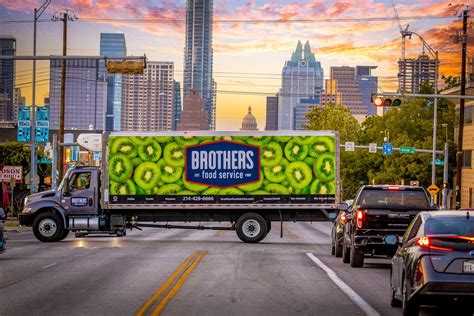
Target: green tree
(17,154)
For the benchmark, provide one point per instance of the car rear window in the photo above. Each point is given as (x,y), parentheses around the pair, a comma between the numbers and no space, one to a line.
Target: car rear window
(450,226)
(389,198)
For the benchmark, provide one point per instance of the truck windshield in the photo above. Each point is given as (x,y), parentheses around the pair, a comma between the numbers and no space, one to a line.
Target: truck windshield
(389,198)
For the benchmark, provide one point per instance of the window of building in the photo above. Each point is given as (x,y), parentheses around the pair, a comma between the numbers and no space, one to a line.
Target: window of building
(467,159)
(468,115)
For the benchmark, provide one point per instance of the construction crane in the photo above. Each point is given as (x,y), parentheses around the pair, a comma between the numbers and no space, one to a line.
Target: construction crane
(404,32)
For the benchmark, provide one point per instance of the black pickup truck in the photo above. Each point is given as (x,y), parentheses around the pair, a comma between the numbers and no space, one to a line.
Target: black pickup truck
(378,213)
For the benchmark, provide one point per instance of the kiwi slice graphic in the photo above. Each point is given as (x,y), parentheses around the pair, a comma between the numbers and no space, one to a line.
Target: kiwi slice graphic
(163,139)
(136,161)
(294,151)
(187,140)
(260,192)
(230,191)
(141,140)
(123,145)
(310,161)
(325,168)
(282,139)
(259,140)
(270,154)
(299,174)
(276,173)
(253,186)
(174,155)
(240,139)
(169,189)
(150,151)
(305,140)
(123,188)
(120,168)
(186,192)
(275,188)
(211,191)
(169,174)
(321,145)
(146,175)
(196,187)
(318,187)
(140,191)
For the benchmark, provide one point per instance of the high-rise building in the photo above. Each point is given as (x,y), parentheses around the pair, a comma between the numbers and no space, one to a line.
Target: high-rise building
(86,94)
(249,123)
(7,77)
(271,122)
(194,116)
(300,111)
(302,78)
(412,72)
(198,55)
(176,104)
(113,45)
(147,100)
(367,86)
(18,100)
(331,93)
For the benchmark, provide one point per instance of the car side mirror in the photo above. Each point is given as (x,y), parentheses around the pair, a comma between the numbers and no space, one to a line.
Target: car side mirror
(343,206)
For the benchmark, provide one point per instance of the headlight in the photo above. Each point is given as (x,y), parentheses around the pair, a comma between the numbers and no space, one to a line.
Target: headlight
(25,201)
(26,210)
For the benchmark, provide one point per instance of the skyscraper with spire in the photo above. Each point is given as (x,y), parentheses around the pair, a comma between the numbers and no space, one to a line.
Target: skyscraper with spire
(198,55)
(302,83)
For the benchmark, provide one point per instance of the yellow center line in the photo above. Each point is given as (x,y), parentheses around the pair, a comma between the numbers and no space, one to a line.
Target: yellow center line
(177,286)
(142,310)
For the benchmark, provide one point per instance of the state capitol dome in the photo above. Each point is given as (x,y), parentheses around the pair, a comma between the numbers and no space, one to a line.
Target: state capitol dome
(249,122)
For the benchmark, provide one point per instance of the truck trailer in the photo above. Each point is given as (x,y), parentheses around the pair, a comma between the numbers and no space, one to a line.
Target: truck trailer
(249,179)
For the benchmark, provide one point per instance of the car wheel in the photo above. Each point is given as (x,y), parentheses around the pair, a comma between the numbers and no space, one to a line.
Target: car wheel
(333,249)
(394,302)
(251,227)
(337,249)
(409,308)
(345,251)
(48,227)
(356,257)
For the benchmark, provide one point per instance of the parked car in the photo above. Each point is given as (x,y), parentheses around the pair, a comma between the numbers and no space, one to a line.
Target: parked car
(2,224)
(434,263)
(337,230)
(378,212)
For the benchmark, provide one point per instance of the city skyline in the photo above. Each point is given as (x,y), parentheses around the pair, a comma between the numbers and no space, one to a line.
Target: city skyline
(247,69)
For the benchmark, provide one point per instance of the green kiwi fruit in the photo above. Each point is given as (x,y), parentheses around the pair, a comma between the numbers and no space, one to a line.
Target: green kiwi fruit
(276,173)
(163,139)
(150,152)
(282,139)
(196,187)
(322,144)
(169,189)
(295,151)
(230,191)
(186,192)
(299,174)
(318,187)
(120,168)
(123,188)
(325,168)
(123,145)
(187,140)
(211,191)
(275,188)
(270,154)
(240,139)
(140,191)
(259,192)
(147,175)
(169,174)
(136,161)
(141,140)
(310,161)
(174,155)
(253,186)
(259,140)
(305,140)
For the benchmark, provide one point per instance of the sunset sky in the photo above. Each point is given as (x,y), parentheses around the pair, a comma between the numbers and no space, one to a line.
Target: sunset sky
(248,54)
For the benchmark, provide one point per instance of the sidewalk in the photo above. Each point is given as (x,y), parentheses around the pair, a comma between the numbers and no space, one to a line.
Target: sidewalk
(13,226)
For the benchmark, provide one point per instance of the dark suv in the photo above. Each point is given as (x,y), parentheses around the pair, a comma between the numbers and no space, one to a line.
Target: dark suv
(380,212)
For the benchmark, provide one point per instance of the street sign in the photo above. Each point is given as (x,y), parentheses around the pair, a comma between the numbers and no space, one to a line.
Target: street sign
(23,123)
(9,172)
(125,67)
(387,148)
(349,146)
(407,150)
(373,148)
(42,123)
(44,161)
(414,183)
(438,162)
(433,189)
(97,155)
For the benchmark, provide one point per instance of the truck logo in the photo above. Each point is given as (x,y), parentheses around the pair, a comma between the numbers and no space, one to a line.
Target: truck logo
(222,164)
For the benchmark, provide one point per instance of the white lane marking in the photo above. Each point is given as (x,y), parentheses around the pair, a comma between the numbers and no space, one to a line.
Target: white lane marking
(359,301)
(49,266)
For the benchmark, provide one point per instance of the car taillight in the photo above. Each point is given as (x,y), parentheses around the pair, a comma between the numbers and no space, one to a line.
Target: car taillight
(343,218)
(360,218)
(425,242)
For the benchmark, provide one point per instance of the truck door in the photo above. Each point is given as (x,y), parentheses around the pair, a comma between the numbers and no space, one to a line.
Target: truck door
(82,194)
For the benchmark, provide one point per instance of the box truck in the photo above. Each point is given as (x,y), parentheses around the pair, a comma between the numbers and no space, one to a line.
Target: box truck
(249,179)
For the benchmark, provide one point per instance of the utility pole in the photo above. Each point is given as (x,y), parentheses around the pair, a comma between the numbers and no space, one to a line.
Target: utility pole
(33,184)
(459,153)
(63,16)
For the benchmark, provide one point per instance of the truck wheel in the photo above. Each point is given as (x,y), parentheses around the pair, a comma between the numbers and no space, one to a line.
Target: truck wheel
(345,252)
(251,227)
(356,258)
(64,235)
(48,227)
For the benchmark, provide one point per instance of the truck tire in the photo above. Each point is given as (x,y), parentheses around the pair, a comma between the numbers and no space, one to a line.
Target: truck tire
(356,257)
(48,227)
(345,251)
(64,235)
(251,227)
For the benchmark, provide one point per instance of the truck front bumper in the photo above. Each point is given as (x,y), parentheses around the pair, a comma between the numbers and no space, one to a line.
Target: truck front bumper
(25,219)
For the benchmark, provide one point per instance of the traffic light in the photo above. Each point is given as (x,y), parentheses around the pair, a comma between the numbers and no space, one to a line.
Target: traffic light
(382,101)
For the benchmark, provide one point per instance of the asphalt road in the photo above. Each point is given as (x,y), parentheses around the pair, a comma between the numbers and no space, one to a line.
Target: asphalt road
(189,272)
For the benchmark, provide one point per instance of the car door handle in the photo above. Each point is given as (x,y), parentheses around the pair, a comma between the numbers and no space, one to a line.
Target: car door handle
(91,202)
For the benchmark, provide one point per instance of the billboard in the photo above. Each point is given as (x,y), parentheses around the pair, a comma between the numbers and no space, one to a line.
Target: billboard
(222,169)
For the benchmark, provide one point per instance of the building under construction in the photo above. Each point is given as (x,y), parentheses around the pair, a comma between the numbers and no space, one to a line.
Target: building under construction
(412,72)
